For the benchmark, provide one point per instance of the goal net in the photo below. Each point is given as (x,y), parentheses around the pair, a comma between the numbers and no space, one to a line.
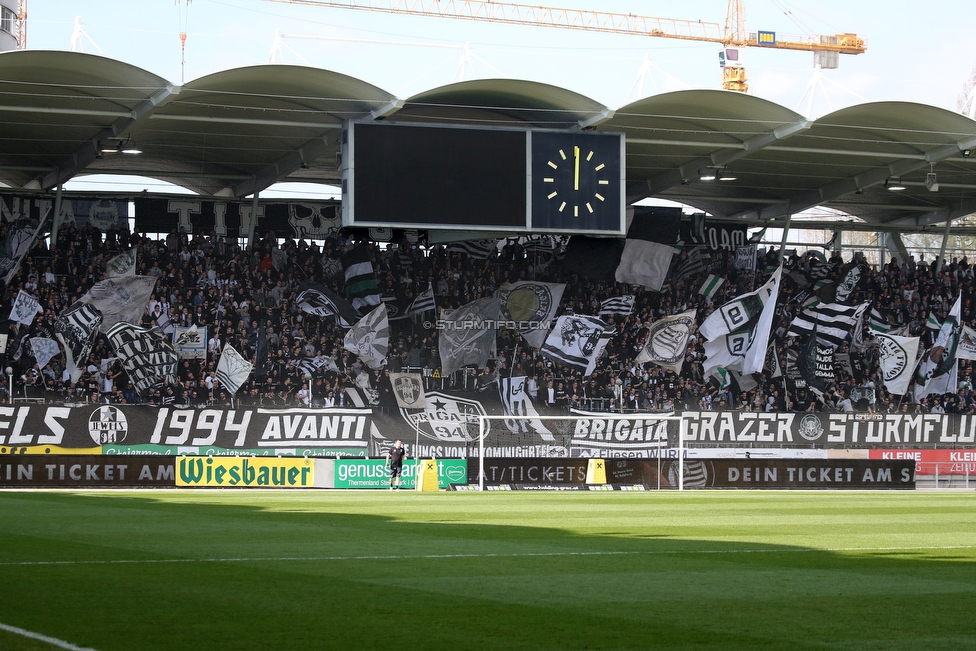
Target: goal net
(586,435)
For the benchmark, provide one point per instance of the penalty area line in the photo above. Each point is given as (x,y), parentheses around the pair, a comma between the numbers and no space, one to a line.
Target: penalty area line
(53,641)
(385,557)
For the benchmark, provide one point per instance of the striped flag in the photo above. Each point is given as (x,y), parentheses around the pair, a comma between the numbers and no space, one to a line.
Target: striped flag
(362,290)
(578,341)
(711,286)
(692,265)
(877,321)
(933,322)
(480,249)
(833,322)
(422,302)
(623,305)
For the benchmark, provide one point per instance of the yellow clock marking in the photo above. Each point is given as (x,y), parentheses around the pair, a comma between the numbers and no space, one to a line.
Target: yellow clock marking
(599,167)
(603,182)
(589,156)
(549,179)
(551,195)
(600,196)
(589,207)
(575,211)
(561,206)
(563,154)
(553,165)
(576,174)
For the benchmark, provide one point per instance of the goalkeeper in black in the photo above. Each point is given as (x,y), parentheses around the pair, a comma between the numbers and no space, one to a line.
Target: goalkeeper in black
(394,459)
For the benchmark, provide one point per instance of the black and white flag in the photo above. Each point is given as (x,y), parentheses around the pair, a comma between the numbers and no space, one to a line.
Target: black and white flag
(20,236)
(75,328)
(737,333)
(322,301)
(370,338)
(834,322)
(532,306)
(25,308)
(148,358)
(312,365)
(467,335)
(189,342)
(648,249)
(691,266)
(44,350)
(898,356)
(408,389)
(938,371)
(121,299)
(124,264)
(623,305)
(232,369)
(422,302)
(480,249)
(523,417)
(361,288)
(667,341)
(578,341)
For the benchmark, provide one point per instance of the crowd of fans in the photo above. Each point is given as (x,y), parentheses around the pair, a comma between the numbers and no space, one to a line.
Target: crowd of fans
(211,281)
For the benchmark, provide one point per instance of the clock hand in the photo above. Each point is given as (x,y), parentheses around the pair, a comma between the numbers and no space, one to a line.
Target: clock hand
(576,177)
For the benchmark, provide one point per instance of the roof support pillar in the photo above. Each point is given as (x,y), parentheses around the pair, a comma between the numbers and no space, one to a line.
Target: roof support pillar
(252,223)
(56,218)
(942,249)
(786,234)
(895,246)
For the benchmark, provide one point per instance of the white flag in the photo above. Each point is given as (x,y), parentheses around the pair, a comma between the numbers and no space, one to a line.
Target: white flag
(667,341)
(938,371)
(408,388)
(370,338)
(124,264)
(967,344)
(25,308)
(739,330)
(121,299)
(44,350)
(578,341)
(898,357)
(232,369)
(531,306)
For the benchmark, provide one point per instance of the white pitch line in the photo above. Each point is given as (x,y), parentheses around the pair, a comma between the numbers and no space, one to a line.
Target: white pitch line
(53,641)
(384,557)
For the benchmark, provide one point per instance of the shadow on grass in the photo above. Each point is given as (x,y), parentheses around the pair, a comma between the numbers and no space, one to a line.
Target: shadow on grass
(322,570)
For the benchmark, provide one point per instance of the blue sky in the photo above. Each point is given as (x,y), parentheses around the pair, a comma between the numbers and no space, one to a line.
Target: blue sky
(914,54)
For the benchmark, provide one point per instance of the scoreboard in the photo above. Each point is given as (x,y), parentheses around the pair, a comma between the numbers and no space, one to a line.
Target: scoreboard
(470,178)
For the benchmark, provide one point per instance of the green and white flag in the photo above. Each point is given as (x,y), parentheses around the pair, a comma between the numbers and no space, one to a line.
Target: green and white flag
(933,322)
(711,286)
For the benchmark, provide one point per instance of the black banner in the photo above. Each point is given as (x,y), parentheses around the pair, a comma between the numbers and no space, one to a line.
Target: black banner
(820,474)
(70,471)
(103,214)
(449,428)
(311,219)
(714,236)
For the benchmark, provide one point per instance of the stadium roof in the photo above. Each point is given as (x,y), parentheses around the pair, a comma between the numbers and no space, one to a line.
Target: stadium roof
(239,131)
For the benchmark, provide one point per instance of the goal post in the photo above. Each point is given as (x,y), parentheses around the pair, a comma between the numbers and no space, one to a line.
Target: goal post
(579,435)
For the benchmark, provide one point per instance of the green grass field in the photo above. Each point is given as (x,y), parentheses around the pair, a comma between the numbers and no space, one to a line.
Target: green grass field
(201,570)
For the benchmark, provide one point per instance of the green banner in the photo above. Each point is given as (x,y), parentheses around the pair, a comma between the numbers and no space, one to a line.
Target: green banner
(373,473)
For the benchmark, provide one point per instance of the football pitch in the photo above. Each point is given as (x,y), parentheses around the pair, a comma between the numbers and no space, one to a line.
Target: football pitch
(201,570)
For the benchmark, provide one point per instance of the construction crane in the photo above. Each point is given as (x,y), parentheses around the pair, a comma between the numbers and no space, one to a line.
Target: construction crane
(732,36)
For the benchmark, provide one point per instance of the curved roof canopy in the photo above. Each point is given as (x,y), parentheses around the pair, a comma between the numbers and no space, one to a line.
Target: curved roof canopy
(237,132)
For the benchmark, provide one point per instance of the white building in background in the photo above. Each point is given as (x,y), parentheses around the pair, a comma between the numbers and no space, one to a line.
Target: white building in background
(8,25)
